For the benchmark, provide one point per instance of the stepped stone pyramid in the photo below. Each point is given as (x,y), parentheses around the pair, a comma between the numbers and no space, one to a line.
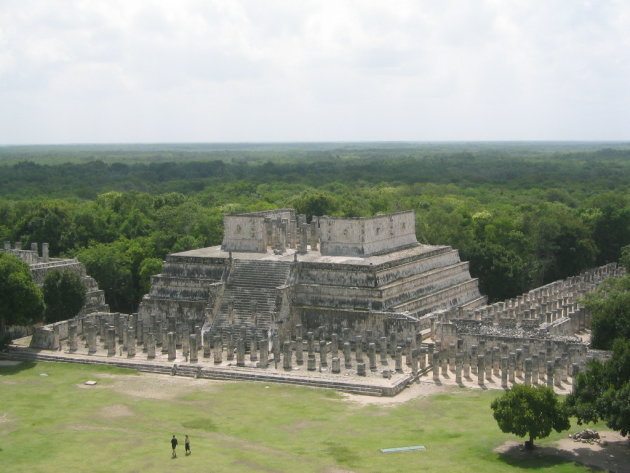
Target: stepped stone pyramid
(274,271)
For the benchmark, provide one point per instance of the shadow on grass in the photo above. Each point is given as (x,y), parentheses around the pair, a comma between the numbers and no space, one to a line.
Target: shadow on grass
(544,457)
(8,370)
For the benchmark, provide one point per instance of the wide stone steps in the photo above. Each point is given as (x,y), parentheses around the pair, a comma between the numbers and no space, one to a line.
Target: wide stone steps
(250,294)
(222,374)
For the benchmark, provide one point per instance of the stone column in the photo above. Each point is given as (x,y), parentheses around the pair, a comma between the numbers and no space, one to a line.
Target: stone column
(347,355)
(435,365)
(131,342)
(164,341)
(253,347)
(558,371)
(481,369)
(519,363)
(528,371)
(311,362)
(150,344)
(372,356)
(310,342)
(399,351)
(218,350)
(488,364)
(299,352)
(336,365)
(91,339)
(423,358)
(334,345)
(240,352)
(72,337)
(359,348)
(286,355)
(171,346)
(473,359)
(550,374)
(504,372)
(383,351)
(229,356)
(323,351)
(194,353)
(207,345)
(512,362)
(361,369)
(496,361)
(414,361)
(111,342)
(458,367)
(264,353)
(535,369)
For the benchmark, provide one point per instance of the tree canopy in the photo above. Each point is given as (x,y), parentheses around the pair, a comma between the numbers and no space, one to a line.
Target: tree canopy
(603,391)
(64,295)
(21,301)
(530,411)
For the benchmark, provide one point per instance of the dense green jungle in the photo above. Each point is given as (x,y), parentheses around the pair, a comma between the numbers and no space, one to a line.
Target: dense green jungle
(523,214)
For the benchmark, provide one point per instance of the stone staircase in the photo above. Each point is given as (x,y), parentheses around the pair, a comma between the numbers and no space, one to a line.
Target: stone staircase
(250,295)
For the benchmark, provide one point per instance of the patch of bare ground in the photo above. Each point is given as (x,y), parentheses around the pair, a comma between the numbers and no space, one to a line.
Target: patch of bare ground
(156,386)
(7,423)
(411,392)
(614,457)
(116,410)
(335,469)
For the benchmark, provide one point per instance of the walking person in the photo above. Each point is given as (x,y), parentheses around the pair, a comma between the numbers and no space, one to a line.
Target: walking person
(187,445)
(174,445)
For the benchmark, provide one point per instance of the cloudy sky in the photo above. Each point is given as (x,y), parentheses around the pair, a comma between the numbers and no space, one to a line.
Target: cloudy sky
(100,71)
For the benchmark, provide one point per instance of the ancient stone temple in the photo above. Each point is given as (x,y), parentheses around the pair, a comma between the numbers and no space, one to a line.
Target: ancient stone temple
(275,271)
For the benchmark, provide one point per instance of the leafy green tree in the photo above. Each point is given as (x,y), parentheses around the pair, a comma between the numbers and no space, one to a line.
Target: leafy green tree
(603,391)
(110,267)
(64,295)
(530,411)
(21,301)
(316,203)
(610,305)
(148,268)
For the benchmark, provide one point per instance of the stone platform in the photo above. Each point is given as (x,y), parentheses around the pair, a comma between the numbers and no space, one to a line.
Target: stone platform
(372,384)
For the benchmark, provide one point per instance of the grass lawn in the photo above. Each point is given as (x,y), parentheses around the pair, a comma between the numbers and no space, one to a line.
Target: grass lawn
(56,424)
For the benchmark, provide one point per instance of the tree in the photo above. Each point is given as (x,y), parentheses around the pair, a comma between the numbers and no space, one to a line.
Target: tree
(532,411)
(611,317)
(603,391)
(148,268)
(64,295)
(21,301)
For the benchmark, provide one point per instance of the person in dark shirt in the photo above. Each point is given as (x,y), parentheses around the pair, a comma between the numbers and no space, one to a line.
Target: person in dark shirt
(187,445)
(174,445)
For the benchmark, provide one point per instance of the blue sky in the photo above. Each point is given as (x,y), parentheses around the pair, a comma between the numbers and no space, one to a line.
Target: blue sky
(100,71)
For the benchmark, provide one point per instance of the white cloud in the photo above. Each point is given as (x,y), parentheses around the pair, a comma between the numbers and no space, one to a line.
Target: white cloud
(229,70)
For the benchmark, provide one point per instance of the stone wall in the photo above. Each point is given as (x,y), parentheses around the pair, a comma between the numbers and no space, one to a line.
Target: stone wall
(367,236)
(250,233)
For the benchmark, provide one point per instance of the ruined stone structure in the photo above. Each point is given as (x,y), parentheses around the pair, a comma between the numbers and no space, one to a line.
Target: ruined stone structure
(355,304)
(274,271)
(42,264)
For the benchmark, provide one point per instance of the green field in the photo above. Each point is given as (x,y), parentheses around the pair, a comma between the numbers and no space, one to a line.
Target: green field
(55,423)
